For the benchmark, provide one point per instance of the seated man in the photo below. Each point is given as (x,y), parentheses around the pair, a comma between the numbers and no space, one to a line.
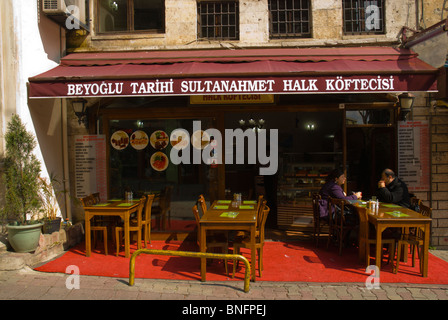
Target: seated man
(393,190)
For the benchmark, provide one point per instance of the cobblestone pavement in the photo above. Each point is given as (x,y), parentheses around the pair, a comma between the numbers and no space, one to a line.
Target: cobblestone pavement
(27,284)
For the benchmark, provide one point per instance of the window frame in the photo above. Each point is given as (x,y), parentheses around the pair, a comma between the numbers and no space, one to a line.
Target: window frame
(359,23)
(200,14)
(130,21)
(292,35)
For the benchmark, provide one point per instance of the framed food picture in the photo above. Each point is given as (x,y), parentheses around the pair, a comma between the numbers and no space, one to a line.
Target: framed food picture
(159,140)
(179,139)
(159,161)
(200,139)
(119,140)
(139,140)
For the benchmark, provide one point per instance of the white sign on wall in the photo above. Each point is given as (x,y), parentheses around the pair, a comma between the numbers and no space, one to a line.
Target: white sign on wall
(413,154)
(90,165)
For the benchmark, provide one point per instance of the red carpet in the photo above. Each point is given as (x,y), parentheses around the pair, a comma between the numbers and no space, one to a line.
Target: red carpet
(284,261)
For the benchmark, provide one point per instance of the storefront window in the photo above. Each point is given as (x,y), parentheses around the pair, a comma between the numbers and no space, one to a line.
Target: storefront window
(140,161)
(367,117)
(309,146)
(131,15)
(363,16)
(289,18)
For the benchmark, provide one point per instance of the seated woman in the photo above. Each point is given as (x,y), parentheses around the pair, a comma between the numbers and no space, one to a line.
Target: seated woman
(332,188)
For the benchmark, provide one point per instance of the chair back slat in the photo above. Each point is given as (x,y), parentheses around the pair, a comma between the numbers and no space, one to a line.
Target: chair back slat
(316,213)
(141,204)
(96,197)
(425,210)
(259,202)
(332,204)
(148,205)
(260,214)
(196,214)
(88,201)
(264,217)
(202,204)
(416,204)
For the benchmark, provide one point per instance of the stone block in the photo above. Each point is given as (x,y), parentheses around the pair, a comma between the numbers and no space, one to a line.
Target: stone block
(12,261)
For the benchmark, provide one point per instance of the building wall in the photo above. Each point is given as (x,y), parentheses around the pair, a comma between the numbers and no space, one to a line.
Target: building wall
(181,34)
(29,44)
(181,28)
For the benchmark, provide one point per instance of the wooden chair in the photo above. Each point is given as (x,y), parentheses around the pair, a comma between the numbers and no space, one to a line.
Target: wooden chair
(367,240)
(90,201)
(146,219)
(163,210)
(338,227)
(202,204)
(222,234)
(415,240)
(259,240)
(96,196)
(318,222)
(135,225)
(213,239)
(415,204)
(259,204)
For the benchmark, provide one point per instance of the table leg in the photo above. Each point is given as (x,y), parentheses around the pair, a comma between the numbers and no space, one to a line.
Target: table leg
(424,254)
(203,248)
(362,242)
(127,241)
(88,234)
(379,245)
(253,252)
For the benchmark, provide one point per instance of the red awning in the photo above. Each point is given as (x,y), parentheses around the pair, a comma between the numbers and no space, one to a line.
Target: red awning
(324,70)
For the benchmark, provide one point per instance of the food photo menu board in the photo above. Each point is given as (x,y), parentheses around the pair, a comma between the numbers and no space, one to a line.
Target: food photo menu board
(413,154)
(90,165)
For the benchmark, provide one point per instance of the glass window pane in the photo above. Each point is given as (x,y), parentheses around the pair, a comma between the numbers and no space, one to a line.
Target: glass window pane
(221,20)
(371,116)
(113,16)
(148,14)
(139,165)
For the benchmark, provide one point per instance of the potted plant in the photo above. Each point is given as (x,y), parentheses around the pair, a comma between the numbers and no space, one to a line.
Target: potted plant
(22,186)
(50,193)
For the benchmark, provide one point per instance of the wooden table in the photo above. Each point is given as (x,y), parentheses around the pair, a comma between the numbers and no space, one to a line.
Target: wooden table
(382,219)
(246,220)
(120,208)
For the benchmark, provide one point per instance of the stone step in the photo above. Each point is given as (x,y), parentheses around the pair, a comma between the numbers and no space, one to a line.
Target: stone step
(50,246)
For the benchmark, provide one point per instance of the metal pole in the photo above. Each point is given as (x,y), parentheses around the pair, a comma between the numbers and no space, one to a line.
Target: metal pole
(191,255)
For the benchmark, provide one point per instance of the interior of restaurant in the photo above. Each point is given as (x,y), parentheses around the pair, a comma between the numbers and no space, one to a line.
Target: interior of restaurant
(312,140)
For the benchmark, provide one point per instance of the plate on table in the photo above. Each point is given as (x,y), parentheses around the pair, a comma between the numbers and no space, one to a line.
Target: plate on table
(139,140)
(119,140)
(159,161)
(159,139)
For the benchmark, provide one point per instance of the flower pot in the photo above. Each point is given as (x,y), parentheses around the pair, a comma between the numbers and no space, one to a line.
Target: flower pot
(24,238)
(51,226)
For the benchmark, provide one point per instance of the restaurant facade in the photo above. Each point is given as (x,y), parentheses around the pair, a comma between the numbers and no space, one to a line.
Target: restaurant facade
(251,97)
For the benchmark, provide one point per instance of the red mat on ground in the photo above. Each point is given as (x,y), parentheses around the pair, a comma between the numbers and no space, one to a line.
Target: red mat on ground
(283,261)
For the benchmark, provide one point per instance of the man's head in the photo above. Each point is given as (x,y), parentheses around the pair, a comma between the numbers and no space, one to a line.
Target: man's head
(388,176)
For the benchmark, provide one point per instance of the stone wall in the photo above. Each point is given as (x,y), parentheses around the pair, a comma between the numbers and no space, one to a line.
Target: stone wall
(439,159)
(326,24)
